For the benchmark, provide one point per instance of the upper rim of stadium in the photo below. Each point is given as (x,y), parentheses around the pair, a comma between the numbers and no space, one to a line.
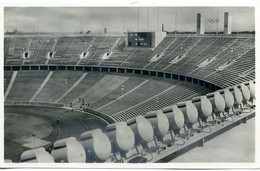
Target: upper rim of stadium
(247,34)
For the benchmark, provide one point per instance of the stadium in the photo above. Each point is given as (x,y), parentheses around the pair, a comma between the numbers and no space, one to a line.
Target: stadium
(146,93)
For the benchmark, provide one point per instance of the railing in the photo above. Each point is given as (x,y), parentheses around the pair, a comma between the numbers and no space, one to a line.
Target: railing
(105,117)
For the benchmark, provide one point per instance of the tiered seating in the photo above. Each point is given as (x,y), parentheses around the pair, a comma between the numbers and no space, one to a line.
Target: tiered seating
(227,55)
(99,46)
(15,49)
(61,48)
(7,79)
(160,50)
(96,46)
(144,92)
(63,45)
(117,58)
(196,50)
(213,48)
(79,45)
(21,44)
(118,55)
(138,96)
(34,47)
(163,45)
(9,46)
(47,45)
(128,86)
(39,48)
(25,85)
(90,80)
(177,49)
(138,58)
(103,87)
(192,51)
(242,70)
(167,45)
(181,92)
(105,47)
(57,85)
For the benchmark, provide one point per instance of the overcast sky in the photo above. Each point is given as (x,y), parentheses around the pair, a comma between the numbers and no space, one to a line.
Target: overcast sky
(70,17)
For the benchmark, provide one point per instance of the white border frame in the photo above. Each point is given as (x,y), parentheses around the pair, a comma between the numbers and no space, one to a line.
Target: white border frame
(131,3)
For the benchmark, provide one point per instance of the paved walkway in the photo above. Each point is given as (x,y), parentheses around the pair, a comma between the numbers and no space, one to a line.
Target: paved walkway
(235,145)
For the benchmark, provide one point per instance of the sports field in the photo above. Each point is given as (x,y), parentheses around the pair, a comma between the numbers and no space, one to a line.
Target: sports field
(27,127)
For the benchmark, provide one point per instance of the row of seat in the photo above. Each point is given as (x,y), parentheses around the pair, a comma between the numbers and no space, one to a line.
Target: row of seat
(192,51)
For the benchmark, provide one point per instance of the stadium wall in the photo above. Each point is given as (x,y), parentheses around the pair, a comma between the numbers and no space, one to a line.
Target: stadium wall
(134,71)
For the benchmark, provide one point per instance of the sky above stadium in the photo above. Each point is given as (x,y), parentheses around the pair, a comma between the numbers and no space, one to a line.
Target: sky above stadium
(119,19)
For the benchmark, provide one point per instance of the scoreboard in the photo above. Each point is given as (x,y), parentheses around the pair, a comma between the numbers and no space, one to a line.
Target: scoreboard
(143,39)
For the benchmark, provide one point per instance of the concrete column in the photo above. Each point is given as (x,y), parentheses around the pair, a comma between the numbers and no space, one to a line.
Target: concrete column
(227,23)
(200,23)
